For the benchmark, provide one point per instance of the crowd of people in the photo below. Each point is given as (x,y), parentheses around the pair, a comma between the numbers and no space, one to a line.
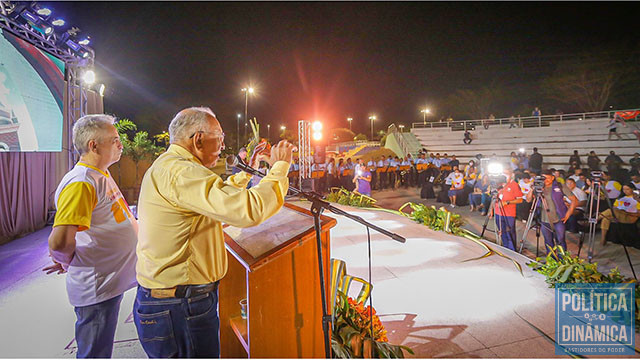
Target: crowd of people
(448,181)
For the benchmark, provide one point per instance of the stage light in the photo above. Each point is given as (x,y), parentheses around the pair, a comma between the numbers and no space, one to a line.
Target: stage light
(73,45)
(494,168)
(251,90)
(44,12)
(85,54)
(101,90)
(316,126)
(89,77)
(58,22)
(317,136)
(84,41)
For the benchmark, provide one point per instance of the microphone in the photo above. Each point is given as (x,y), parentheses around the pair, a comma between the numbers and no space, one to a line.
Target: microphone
(246,168)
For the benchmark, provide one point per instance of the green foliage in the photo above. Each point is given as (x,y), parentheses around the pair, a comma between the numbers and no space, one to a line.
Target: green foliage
(351,335)
(360,137)
(162,139)
(435,219)
(341,135)
(344,197)
(560,266)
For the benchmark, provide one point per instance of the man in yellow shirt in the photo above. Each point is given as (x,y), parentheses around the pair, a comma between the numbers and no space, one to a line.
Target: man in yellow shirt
(181,253)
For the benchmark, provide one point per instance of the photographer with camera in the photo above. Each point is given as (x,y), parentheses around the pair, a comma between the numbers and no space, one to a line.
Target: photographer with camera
(553,213)
(505,211)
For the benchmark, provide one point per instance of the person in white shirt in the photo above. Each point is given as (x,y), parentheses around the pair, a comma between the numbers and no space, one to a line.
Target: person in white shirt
(94,236)
(456,179)
(626,210)
(611,187)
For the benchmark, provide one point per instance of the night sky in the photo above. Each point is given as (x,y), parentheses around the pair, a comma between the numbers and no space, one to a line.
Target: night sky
(328,61)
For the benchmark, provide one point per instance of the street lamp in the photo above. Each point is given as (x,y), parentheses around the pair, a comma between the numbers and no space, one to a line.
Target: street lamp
(349,119)
(372,118)
(424,115)
(238,132)
(246,91)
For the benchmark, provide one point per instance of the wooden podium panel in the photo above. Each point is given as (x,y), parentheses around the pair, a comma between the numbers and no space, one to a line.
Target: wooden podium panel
(275,267)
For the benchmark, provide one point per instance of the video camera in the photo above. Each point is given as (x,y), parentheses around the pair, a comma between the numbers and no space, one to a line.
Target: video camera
(538,184)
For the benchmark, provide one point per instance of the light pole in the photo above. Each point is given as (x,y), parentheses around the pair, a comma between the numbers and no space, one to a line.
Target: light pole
(349,119)
(238,133)
(246,91)
(372,118)
(401,127)
(424,115)
(268,132)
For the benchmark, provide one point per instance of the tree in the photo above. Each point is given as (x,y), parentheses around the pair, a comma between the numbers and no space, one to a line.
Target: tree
(289,135)
(124,126)
(141,148)
(341,135)
(360,137)
(477,104)
(585,81)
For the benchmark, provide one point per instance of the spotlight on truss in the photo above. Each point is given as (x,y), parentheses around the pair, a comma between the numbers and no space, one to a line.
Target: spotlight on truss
(57,22)
(85,41)
(89,77)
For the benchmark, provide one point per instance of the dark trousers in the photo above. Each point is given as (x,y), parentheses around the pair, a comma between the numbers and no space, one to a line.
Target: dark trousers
(178,327)
(559,228)
(506,225)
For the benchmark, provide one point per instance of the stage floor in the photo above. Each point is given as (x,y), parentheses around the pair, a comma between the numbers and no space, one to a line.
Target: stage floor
(426,296)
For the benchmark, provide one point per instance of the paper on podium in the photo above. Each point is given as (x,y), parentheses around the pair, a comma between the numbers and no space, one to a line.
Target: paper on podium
(275,231)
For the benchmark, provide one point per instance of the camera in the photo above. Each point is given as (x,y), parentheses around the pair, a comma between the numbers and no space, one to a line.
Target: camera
(596,174)
(538,184)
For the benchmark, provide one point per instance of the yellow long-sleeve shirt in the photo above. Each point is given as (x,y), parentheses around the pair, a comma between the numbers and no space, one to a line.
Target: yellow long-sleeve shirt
(181,209)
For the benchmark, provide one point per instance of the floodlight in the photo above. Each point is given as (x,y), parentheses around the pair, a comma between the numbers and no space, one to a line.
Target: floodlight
(317,126)
(44,12)
(84,41)
(58,22)
(317,136)
(494,168)
(101,90)
(89,77)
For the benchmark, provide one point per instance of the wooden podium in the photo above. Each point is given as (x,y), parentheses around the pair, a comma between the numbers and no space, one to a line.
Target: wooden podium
(275,267)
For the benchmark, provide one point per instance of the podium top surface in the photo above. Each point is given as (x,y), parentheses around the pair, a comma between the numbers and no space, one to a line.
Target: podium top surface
(254,245)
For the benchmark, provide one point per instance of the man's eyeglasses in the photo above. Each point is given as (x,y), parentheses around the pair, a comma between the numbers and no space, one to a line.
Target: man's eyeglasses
(218,134)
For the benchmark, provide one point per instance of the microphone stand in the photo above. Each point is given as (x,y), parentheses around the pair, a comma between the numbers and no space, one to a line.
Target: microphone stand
(317,206)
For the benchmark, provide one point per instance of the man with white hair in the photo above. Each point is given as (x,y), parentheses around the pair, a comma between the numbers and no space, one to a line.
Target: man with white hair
(181,252)
(94,236)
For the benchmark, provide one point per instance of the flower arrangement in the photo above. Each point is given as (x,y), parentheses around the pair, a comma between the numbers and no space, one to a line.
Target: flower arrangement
(351,335)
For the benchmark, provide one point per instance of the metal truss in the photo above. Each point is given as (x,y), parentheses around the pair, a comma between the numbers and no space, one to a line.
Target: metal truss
(47,43)
(304,139)
(75,92)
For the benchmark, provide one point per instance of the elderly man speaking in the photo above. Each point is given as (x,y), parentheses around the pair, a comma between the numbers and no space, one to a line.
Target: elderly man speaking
(181,253)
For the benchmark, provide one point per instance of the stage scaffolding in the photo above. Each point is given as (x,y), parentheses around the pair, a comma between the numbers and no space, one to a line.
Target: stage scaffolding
(304,148)
(75,99)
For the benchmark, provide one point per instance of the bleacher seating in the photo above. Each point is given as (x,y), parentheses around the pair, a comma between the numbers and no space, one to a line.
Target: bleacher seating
(555,142)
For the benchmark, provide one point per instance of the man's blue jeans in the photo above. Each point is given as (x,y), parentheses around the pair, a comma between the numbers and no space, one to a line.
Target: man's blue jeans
(548,235)
(507,225)
(96,327)
(178,327)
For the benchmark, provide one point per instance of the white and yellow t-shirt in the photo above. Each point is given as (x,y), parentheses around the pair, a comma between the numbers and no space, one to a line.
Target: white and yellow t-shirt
(457,180)
(628,204)
(613,189)
(103,266)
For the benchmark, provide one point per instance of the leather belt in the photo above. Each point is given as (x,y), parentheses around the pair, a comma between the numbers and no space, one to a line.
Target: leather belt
(183,291)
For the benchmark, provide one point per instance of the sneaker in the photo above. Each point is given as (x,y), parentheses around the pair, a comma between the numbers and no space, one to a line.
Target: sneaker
(452,205)
(482,213)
